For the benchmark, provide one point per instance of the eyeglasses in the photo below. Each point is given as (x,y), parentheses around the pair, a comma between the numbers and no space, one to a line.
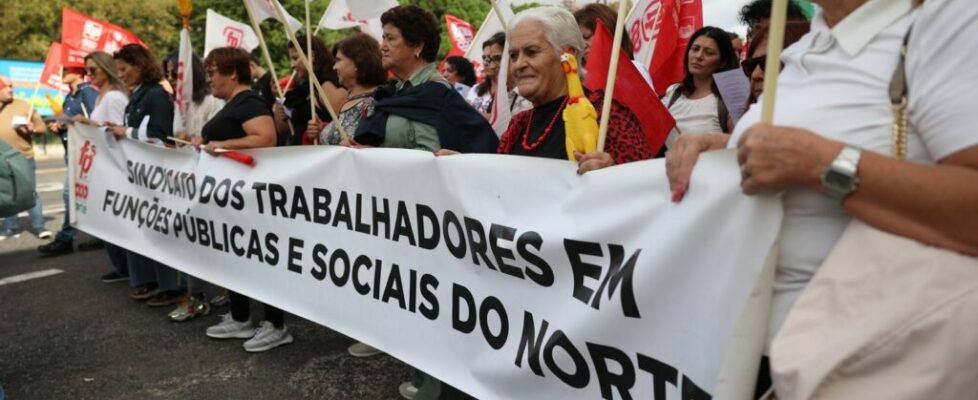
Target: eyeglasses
(91,70)
(491,59)
(749,64)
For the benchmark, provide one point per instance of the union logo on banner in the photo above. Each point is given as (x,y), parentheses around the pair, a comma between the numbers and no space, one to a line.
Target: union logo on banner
(233,37)
(86,159)
(349,18)
(644,30)
(91,33)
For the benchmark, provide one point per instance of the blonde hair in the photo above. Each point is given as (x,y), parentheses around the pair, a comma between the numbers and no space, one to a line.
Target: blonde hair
(106,63)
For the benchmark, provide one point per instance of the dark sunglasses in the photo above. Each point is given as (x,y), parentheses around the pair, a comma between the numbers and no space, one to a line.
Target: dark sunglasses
(91,71)
(749,64)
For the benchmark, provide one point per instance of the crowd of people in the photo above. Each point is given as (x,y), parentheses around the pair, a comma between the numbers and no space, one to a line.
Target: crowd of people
(832,96)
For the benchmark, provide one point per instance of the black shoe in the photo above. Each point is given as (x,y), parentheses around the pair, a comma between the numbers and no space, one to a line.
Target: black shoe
(91,244)
(114,276)
(56,248)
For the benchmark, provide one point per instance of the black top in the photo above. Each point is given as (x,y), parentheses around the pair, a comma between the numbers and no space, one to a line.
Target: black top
(152,101)
(227,124)
(554,146)
(263,86)
(297,100)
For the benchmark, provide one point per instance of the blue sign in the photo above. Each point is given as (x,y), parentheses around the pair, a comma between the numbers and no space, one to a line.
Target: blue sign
(25,75)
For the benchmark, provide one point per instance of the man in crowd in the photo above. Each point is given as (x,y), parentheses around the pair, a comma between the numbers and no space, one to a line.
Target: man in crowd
(18,123)
(79,101)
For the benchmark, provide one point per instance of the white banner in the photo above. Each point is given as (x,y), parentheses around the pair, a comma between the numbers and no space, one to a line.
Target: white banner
(507,277)
(225,32)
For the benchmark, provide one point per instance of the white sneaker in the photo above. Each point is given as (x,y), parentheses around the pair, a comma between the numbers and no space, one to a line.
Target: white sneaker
(44,234)
(407,390)
(360,349)
(267,338)
(228,328)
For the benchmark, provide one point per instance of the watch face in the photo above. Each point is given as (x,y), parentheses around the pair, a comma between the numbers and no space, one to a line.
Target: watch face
(838,180)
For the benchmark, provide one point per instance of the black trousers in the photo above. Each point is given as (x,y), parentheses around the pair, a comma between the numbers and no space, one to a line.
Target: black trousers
(241,310)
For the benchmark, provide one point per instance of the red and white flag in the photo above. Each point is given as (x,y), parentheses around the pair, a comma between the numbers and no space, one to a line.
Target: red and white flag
(225,32)
(461,33)
(660,31)
(265,9)
(86,34)
(339,16)
(51,74)
(183,93)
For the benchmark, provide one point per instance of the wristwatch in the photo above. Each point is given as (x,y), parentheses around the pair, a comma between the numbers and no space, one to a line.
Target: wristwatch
(840,178)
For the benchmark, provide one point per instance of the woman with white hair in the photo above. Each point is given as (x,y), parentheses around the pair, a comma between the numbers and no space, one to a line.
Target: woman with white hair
(537,37)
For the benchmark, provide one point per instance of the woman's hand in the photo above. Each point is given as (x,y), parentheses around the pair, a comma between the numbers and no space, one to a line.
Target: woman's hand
(349,142)
(119,131)
(212,146)
(683,155)
(594,160)
(445,152)
(196,141)
(312,131)
(775,158)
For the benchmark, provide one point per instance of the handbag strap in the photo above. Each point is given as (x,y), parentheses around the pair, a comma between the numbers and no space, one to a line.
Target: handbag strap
(898,100)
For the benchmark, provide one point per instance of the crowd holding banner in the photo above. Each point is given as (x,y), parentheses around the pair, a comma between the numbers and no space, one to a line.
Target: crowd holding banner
(623,273)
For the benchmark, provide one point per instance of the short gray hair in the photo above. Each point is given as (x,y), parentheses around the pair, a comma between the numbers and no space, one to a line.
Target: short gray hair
(559,25)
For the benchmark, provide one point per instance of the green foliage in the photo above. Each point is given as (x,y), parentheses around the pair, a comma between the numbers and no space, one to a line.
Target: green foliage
(27,27)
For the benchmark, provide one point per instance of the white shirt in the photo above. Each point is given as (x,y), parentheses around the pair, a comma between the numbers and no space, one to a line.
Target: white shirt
(199,115)
(835,83)
(693,116)
(110,108)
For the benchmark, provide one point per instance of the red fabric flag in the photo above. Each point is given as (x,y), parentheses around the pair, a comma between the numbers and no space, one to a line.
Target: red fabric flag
(87,34)
(667,56)
(631,89)
(51,74)
(72,57)
(461,34)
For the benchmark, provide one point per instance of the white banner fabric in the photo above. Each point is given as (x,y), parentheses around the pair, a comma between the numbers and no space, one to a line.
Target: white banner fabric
(225,32)
(505,276)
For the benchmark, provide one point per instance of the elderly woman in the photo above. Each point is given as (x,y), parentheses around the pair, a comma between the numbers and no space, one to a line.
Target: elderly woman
(537,37)
(421,110)
(150,107)
(830,151)
(360,72)
(695,102)
(245,122)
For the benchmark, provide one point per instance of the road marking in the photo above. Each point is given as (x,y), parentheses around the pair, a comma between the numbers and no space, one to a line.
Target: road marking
(30,275)
(51,170)
(47,211)
(49,187)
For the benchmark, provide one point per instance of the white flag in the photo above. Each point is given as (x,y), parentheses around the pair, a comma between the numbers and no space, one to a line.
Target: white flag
(265,9)
(339,16)
(367,9)
(501,107)
(489,27)
(185,82)
(226,32)
(643,25)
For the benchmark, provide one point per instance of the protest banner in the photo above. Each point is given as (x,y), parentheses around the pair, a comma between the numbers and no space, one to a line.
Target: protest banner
(505,276)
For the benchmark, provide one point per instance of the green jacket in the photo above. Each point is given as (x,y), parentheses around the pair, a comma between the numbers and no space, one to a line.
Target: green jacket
(403,133)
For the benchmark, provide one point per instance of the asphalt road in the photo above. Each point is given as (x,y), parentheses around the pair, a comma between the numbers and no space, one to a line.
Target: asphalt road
(70,336)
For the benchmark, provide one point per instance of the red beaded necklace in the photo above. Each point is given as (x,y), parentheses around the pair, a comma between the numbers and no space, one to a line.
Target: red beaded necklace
(527,146)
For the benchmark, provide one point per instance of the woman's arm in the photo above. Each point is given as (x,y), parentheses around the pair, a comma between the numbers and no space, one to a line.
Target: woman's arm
(935,204)
(260,133)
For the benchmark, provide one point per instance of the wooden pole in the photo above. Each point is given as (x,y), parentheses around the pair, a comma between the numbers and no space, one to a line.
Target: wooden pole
(775,41)
(312,73)
(264,49)
(502,19)
(609,87)
(312,89)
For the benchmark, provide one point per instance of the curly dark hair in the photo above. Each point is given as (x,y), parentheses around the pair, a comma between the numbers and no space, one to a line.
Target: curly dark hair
(201,89)
(143,59)
(588,16)
(418,26)
(463,68)
(230,60)
(322,60)
(364,51)
(754,12)
(728,56)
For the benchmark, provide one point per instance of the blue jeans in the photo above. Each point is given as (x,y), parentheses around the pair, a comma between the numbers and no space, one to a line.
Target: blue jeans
(67,232)
(144,270)
(36,213)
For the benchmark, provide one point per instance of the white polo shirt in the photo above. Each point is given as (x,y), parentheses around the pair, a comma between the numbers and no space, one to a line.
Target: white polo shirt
(836,83)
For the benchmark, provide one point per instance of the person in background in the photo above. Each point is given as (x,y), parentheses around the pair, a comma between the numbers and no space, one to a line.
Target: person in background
(460,73)
(360,71)
(203,105)
(149,107)
(695,102)
(587,18)
(261,81)
(297,97)
(482,96)
(18,124)
(757,14)
(245,122)
(110,107)
(79,101)
(753,65)
(738,44)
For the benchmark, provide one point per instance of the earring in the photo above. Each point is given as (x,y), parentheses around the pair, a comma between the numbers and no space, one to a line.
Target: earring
(417,55)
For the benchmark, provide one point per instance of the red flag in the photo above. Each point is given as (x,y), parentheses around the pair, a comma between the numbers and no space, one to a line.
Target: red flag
(51,75)
(461,34)
(667,56)
(72,57)
(87,34)
(631,89)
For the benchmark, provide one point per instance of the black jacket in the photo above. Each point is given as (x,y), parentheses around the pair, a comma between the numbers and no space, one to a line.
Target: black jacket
(150,100)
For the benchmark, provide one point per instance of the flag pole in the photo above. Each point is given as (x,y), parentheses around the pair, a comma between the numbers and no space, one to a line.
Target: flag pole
(312,73)
(264,49)
(312,89)
(502,20)
(775,41)
(609,87)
